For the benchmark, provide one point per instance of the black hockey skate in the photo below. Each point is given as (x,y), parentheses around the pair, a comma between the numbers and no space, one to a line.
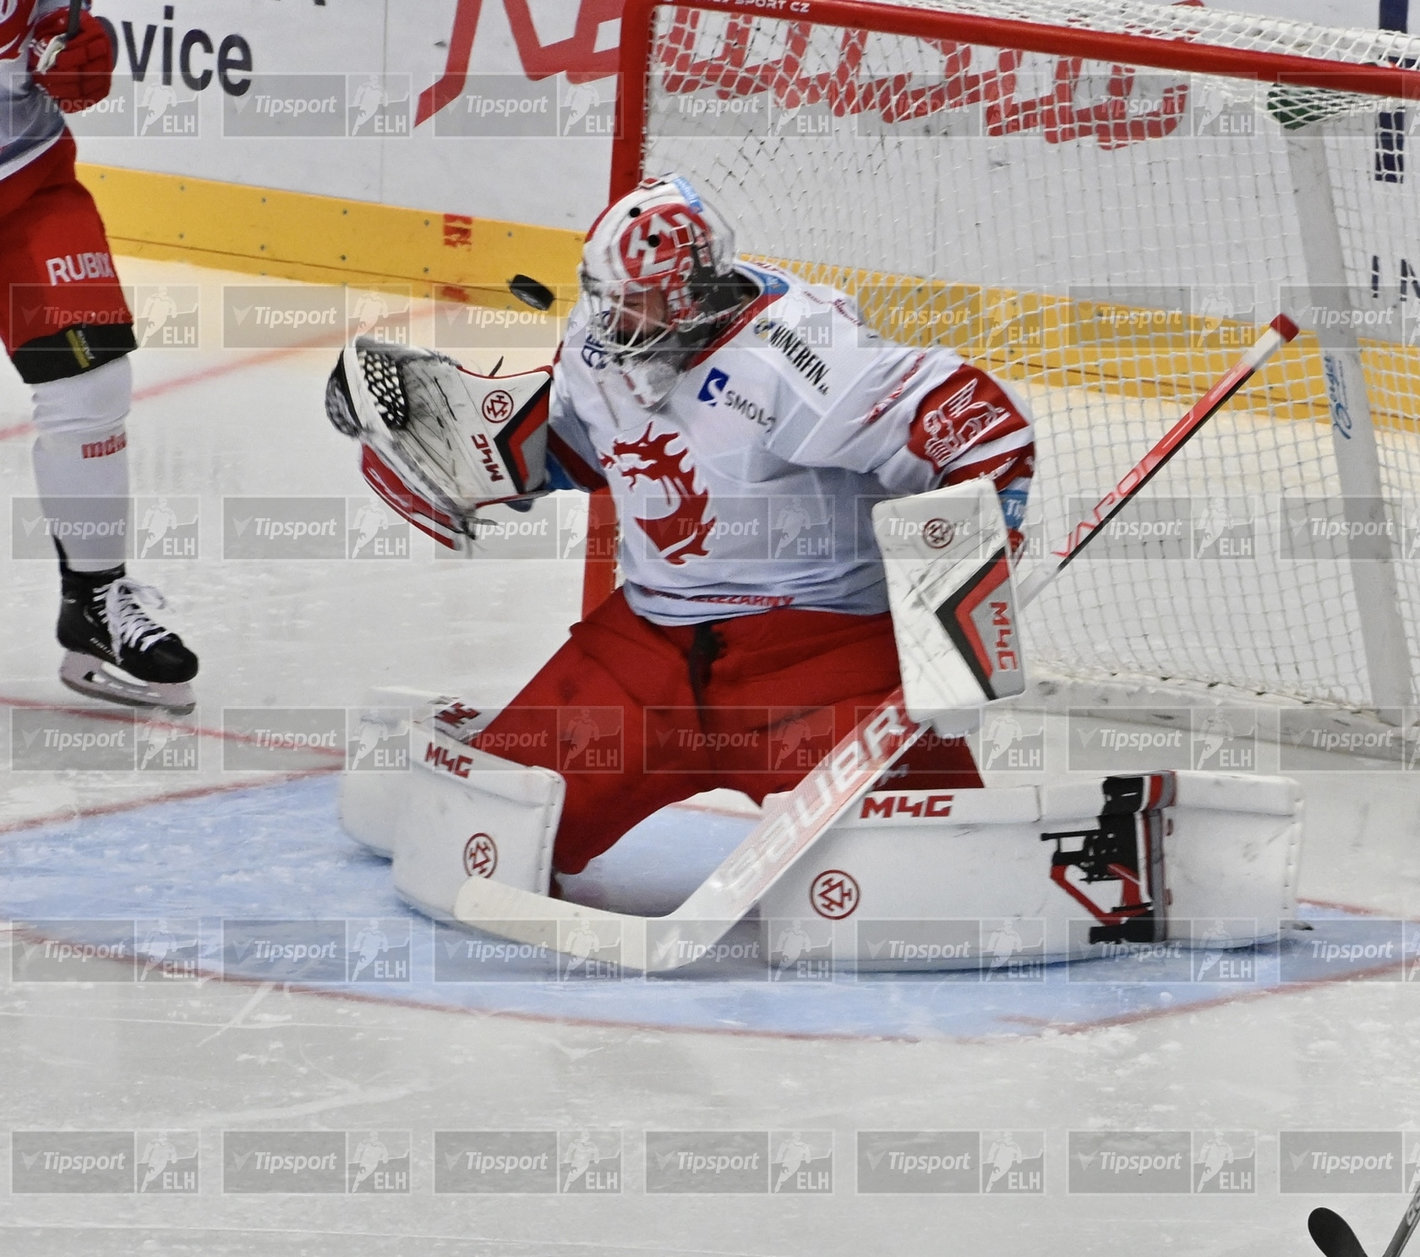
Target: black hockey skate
(114,650)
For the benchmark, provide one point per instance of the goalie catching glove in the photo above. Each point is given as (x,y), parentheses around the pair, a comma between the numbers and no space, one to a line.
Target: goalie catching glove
(439,441)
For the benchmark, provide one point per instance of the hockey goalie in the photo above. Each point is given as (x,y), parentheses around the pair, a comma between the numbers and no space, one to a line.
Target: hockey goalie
(747,424)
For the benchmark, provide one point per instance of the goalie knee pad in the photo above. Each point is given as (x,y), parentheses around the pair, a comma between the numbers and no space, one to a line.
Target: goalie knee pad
(442,810)
(471,814)
(396,728)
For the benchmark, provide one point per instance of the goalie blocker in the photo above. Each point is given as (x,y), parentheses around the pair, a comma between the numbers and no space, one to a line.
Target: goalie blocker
(996,879)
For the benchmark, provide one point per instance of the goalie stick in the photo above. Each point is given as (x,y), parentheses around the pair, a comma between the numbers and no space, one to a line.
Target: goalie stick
(58,43)
(659,944)
(1335,1238)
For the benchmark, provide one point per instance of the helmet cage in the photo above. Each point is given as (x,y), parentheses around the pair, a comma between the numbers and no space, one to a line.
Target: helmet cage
(651,267)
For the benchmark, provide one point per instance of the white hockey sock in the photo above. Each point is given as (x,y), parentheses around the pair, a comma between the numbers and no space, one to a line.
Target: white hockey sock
(81,463)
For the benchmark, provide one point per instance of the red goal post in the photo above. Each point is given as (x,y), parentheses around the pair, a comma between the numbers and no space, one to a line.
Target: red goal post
(981,87)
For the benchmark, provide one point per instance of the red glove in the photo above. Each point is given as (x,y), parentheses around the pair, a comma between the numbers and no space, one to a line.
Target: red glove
(82,72)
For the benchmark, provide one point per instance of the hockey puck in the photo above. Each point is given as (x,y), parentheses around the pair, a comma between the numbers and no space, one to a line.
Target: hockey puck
(530,292)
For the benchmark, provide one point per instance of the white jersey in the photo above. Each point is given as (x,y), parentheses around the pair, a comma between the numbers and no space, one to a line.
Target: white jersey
(29,120)
(750,485)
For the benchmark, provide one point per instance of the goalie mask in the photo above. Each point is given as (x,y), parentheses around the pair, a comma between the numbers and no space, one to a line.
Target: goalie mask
(656,269)
(440,441)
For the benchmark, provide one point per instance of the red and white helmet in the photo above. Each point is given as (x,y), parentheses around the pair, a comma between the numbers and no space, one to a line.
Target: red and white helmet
(651,262)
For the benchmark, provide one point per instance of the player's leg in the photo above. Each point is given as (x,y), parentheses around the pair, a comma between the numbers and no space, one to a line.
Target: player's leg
(613,713)
(801,680)
(68,330)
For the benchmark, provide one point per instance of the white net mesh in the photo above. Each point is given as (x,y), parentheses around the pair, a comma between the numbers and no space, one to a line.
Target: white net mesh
(1109,237)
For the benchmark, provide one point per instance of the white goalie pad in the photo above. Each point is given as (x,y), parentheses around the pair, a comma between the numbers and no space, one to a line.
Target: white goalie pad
(471,814)
(395,730)
(952,598)
(440,441)
(1010,878)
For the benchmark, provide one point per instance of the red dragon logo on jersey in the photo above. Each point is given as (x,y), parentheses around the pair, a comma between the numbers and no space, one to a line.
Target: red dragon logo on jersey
(946,425)
(682,532)
(14,27)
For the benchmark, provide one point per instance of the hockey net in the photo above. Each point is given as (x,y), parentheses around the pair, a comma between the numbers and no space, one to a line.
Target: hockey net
(1096,200)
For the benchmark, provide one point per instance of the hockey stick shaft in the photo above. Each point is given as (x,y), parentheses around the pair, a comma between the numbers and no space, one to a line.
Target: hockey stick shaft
(813,806)
(58,43)
(1279,332)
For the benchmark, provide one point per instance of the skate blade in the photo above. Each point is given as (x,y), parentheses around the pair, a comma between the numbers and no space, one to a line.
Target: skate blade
(87,675)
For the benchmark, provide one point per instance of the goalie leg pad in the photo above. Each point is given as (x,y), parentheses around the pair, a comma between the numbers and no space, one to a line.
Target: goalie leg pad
(1001,879)
(471,814)
(396,728)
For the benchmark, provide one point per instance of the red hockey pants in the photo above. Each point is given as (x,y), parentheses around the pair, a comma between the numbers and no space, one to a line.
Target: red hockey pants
(635,716)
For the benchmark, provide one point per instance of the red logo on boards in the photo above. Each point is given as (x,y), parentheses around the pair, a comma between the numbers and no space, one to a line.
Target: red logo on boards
(480,856)
(834,894)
